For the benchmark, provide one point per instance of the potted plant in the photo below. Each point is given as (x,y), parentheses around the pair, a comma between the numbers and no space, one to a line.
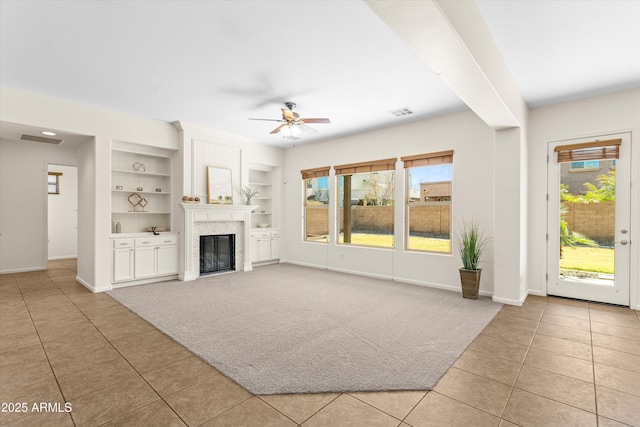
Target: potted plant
(471,243)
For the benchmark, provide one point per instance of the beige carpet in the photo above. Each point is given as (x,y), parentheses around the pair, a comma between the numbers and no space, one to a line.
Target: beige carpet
(289,329)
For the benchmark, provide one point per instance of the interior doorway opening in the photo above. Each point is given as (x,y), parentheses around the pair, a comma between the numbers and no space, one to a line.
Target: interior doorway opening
(62,212)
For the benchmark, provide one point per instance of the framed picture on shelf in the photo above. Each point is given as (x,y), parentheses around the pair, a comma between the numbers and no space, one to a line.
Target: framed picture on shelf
(219,188)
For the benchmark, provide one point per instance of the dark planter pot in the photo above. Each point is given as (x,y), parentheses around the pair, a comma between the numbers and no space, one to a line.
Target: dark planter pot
(470,280)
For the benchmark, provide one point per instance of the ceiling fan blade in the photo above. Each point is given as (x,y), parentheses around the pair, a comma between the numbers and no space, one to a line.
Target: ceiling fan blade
(307,129)
(287,114)
(278,129)
(268,120)
(324,120)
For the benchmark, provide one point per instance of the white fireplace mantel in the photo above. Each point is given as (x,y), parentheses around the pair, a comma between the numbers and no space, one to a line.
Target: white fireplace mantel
(213,213)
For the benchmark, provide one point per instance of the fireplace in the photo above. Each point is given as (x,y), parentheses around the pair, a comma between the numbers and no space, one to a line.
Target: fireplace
(217,253)
(213,220)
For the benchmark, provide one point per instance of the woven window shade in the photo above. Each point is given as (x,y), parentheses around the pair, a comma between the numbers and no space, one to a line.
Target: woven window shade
(315,173)
(375,166)
(430,159)
(596,150)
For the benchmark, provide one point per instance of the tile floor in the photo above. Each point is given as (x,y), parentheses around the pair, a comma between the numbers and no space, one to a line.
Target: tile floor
(550,362)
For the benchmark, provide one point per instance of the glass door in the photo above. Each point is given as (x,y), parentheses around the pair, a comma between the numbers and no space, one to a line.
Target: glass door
(589,211)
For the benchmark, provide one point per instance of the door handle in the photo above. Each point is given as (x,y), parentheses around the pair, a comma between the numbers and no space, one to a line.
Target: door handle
(622,242)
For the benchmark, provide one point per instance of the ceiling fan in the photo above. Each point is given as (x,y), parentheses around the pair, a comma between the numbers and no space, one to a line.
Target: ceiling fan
(292,122)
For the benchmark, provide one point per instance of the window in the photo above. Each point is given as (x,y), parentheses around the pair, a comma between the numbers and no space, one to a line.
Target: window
(316,204)
(588,164)
(53,182)
(365,215)
(429,201)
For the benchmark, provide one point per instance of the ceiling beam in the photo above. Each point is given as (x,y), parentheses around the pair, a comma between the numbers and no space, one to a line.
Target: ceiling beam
(453,39)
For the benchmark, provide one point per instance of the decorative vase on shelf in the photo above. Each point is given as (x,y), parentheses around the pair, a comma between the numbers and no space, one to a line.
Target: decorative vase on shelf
(118,228)
(248,201)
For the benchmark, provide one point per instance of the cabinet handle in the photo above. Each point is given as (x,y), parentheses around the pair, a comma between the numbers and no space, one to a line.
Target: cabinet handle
(123,244)
(167,241)
(145,243)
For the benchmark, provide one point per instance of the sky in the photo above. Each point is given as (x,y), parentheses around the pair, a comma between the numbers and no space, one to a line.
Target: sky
(435,173)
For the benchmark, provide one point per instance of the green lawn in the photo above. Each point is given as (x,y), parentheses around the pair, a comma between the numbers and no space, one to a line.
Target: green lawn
(415,243)
(598,260)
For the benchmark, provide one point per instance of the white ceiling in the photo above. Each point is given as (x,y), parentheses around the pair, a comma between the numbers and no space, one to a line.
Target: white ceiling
(217,63)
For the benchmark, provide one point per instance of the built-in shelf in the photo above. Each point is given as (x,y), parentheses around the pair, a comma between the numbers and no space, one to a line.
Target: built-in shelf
(140,173)
(261,179)
(154,172)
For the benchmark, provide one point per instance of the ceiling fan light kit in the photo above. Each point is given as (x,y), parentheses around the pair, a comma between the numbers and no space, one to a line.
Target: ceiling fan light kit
(292,123)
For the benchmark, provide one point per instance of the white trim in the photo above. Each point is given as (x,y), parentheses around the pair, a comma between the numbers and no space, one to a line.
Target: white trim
(360,273)
(537,292)
(119,285)
(517,302)
(91,287)
(22,270)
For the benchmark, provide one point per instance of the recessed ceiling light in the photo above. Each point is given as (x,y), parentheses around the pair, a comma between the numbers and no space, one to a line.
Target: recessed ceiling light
(48,133)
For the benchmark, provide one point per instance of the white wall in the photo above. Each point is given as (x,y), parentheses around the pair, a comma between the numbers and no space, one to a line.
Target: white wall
(63,214)
(618,112)
(473,165)
(23,202)
(94,172)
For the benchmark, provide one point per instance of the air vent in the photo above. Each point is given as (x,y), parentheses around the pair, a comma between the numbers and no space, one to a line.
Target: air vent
(42,139)
(406,111)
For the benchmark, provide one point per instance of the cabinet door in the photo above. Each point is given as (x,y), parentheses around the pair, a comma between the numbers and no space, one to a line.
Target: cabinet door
(275,248)
(254,250)
(145,262)
(122,264)
(264,249)
(167,257)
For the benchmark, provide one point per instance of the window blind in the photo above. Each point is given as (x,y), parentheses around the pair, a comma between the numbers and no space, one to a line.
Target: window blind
(429,159)
(315,173)
(595,150)
(374,166)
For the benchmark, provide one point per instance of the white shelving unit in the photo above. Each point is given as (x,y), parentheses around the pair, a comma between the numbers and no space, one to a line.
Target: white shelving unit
(265,236)
(152,181)
(262,181)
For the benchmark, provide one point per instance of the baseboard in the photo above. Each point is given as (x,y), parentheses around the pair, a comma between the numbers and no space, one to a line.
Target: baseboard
(360,273)
(536,293)
(55,258)
(439,286)
(91,287)
(303,264)
(22,270)
(517,302)
(143,282)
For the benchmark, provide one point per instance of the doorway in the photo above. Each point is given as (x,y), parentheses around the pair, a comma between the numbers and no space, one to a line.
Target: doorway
(589,214)
(62,212)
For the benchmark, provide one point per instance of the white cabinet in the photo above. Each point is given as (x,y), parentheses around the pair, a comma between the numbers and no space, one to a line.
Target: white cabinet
(140,188)
(144,257)
(155,256)
(122,260)
(145,263)
(275,245)
(167,260)
(265,246)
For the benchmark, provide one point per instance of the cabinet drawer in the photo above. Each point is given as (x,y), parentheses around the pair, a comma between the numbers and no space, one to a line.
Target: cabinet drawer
(122,243)
(259,234)
(275,233)
(155,241)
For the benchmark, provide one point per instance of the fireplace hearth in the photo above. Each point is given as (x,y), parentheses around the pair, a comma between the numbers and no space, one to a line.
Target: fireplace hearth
(217,254)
